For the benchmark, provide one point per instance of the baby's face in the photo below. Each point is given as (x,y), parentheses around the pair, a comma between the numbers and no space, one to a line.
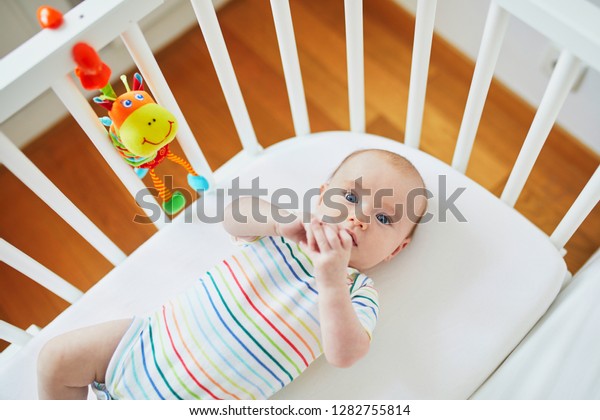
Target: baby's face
(369,197)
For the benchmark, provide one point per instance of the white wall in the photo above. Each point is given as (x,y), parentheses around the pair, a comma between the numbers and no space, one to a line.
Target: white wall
(520,64)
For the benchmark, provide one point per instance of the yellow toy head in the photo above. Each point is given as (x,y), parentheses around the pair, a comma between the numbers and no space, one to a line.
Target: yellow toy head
(142,125)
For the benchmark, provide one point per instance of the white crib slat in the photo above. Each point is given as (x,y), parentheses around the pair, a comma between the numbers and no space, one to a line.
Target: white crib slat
(14,334)
(36,181)
(583,205)
(38,273)
(561,82)
(491,42)
(142,56)
(356,69)
(207,19)
(284,28)
(86,117)
(419,68)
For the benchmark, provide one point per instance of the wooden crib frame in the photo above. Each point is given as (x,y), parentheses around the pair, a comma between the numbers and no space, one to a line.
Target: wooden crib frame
(26,73)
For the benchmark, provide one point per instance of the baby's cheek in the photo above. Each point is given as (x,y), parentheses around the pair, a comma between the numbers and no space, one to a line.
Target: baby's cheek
(375,253)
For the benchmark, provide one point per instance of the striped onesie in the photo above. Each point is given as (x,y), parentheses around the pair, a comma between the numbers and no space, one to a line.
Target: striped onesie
(244,330)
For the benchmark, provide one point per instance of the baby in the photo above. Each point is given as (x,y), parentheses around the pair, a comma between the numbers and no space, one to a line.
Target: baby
(256,320)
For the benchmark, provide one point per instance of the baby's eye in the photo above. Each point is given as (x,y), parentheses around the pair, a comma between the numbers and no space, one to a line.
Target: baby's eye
(382,218)
(351,197)
(127,103)
(139,97)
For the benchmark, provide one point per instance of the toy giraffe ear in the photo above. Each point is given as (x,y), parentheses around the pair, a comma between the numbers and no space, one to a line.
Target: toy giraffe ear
(104,103)
(138,82)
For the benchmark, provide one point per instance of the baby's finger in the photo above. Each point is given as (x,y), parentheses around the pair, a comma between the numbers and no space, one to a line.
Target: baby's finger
(346,239)
(332,237)
(300,232)
(310,239)
(319,235)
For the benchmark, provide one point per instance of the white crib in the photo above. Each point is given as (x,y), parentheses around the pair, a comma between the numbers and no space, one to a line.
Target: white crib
(455,304)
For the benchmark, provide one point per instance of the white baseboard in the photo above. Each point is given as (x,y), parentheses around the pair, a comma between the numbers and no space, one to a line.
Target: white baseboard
(160,28)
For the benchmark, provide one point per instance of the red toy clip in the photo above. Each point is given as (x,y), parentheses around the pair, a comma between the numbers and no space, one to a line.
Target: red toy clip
(49,17)
(91,70)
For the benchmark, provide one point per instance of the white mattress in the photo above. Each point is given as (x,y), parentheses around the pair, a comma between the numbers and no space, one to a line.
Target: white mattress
(559,359)
(453,304)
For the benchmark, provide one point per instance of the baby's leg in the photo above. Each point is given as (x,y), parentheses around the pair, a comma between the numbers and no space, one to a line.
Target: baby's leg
(68,363)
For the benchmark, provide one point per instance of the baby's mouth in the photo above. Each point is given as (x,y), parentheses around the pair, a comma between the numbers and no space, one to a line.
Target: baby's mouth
(353,236)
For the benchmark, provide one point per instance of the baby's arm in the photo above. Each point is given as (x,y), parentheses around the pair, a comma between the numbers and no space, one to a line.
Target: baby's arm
(250,217)
(345,340)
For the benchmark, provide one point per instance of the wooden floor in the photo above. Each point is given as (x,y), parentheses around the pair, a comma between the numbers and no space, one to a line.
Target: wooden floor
(66,156)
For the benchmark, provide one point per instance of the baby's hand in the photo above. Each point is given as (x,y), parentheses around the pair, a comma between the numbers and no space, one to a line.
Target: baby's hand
(330,247)
(294,231)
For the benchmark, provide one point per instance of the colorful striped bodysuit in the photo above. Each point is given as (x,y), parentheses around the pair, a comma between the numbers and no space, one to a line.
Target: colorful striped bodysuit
(244,330)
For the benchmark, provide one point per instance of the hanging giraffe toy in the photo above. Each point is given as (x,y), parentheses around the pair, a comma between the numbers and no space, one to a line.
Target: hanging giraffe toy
(139,128)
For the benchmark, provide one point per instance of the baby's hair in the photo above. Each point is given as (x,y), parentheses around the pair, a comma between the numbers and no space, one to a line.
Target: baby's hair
(399,162)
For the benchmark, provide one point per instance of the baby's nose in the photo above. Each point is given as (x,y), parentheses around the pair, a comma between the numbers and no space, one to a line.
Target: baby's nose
(356,222)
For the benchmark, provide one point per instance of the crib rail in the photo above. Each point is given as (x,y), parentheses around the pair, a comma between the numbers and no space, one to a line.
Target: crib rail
(573,26)
(86,117)
(419,70)
(207,19)
(491,42)
(41,275)
(355,59)
(563,78)
(31,176)
(37,272)
(144,59)
(582,206)
(282,16)
(45,62)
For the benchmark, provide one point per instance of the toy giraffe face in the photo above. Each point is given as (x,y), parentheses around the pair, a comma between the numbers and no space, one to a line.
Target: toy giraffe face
(142,125)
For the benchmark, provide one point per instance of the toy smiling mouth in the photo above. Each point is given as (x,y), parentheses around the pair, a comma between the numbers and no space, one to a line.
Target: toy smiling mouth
(166,136)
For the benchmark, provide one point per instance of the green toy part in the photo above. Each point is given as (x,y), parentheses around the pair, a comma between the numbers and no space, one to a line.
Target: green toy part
(175,204)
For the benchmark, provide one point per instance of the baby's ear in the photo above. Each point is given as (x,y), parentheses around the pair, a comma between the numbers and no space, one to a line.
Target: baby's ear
(396,251)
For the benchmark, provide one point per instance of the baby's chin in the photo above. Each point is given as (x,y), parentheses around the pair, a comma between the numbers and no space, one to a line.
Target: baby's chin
(362,266)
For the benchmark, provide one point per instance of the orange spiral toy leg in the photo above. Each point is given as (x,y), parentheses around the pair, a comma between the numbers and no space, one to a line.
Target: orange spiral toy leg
(197,182)
(181,161)
(172,202)
(163,191)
